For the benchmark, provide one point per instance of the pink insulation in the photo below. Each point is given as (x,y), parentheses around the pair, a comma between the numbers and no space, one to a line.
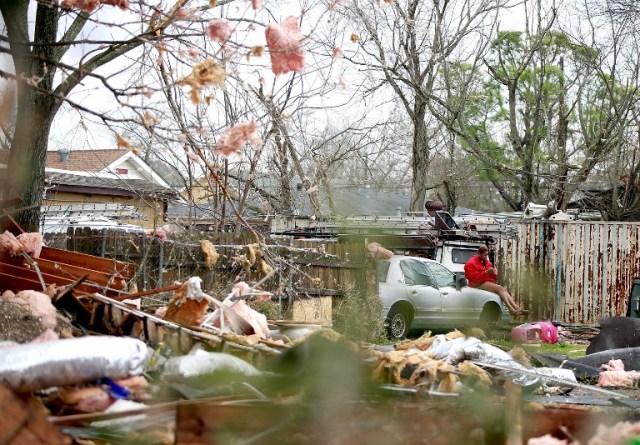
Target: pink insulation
(235,137)
(618,434)
(39,305)
(92,5)
(613,374)
(47,335)
(547,439)
(255,319)
(88,400)
(10,243)
(219,30)
(285,46)
(32,243)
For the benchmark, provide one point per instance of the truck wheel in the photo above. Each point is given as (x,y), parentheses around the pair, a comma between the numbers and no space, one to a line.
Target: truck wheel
(398,323)
(490,316)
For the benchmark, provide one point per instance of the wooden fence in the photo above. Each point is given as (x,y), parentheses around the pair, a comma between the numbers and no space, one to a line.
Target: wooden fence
(575,272)
(309,274)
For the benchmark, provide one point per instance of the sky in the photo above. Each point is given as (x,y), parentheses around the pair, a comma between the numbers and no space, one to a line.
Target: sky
(87,132)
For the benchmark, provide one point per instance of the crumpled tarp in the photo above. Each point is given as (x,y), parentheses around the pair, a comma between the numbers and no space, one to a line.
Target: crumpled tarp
(460,349)
(199,363)
(35,366)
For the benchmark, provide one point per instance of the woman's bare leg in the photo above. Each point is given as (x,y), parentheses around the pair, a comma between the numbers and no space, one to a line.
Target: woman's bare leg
(503,294)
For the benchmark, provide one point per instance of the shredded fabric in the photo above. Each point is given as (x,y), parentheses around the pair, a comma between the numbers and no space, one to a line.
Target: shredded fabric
(210,254)
(219,30)
(285,46)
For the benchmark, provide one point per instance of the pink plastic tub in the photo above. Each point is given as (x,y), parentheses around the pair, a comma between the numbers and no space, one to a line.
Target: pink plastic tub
(535,332)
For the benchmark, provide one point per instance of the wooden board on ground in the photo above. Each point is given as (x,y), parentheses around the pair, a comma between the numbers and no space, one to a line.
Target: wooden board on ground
(20,424)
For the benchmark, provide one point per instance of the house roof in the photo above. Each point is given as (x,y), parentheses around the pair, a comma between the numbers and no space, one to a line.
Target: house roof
(71,182)
(84,160)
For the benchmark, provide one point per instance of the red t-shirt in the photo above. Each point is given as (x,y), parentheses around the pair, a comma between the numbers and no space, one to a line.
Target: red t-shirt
(476,271)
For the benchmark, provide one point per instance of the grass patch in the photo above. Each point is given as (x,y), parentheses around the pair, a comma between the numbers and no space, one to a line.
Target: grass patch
(568,349)
(358,318)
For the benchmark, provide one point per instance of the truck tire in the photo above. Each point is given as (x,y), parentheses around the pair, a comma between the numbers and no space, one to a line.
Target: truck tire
(398,323)
(490,315)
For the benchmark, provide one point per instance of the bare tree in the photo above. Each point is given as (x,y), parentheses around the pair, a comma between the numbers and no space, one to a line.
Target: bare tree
(403,46)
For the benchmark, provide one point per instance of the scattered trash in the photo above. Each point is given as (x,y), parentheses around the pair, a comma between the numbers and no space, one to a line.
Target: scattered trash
(535,332)
(201,366)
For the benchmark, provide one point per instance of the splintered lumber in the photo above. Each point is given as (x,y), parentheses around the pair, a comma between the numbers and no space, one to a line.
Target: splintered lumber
(20,424)
(59,267)
(146,293)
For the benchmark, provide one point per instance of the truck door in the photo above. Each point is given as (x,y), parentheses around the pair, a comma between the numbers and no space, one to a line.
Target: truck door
(421,291)
(457,305)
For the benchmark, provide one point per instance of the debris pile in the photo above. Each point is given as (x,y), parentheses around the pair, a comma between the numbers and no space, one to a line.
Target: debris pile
(96,368)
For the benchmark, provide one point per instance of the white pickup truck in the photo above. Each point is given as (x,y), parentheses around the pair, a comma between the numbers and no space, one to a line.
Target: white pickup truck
(454,254)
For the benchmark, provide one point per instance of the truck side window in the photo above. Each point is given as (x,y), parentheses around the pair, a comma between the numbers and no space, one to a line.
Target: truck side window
(443,276)
(415,273)
(382,270)
(461,256)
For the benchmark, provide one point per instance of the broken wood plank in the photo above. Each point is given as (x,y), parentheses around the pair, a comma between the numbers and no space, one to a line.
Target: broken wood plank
(55,280)
(68,271)
(20,424)
(146,293)
(126,270)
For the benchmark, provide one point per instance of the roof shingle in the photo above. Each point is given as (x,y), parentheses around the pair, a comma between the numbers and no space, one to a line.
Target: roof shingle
(91,161)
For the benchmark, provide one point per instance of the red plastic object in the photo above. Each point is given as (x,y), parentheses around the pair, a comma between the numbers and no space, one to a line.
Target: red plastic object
(536,332)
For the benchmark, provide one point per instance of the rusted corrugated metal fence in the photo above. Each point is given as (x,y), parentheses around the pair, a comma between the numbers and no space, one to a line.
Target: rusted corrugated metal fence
(575,272)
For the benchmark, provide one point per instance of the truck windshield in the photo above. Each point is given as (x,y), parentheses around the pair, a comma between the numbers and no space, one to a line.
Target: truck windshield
(461,256)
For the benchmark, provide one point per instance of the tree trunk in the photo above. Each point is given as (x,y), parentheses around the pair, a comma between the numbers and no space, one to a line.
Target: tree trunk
(36,107)
(28,155)
(282,163)
(420,153)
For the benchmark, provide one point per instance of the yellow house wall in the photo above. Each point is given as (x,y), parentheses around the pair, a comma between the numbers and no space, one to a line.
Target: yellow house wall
(151,208)
(200,194)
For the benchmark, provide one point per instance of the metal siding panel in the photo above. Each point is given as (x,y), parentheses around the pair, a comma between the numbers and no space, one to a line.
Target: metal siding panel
(596,271)
(558,271)
(613,275)
(587,268)
(584,272)
(606,267)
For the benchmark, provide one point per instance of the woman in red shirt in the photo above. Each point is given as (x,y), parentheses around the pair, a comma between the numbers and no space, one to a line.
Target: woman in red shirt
(481,274)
